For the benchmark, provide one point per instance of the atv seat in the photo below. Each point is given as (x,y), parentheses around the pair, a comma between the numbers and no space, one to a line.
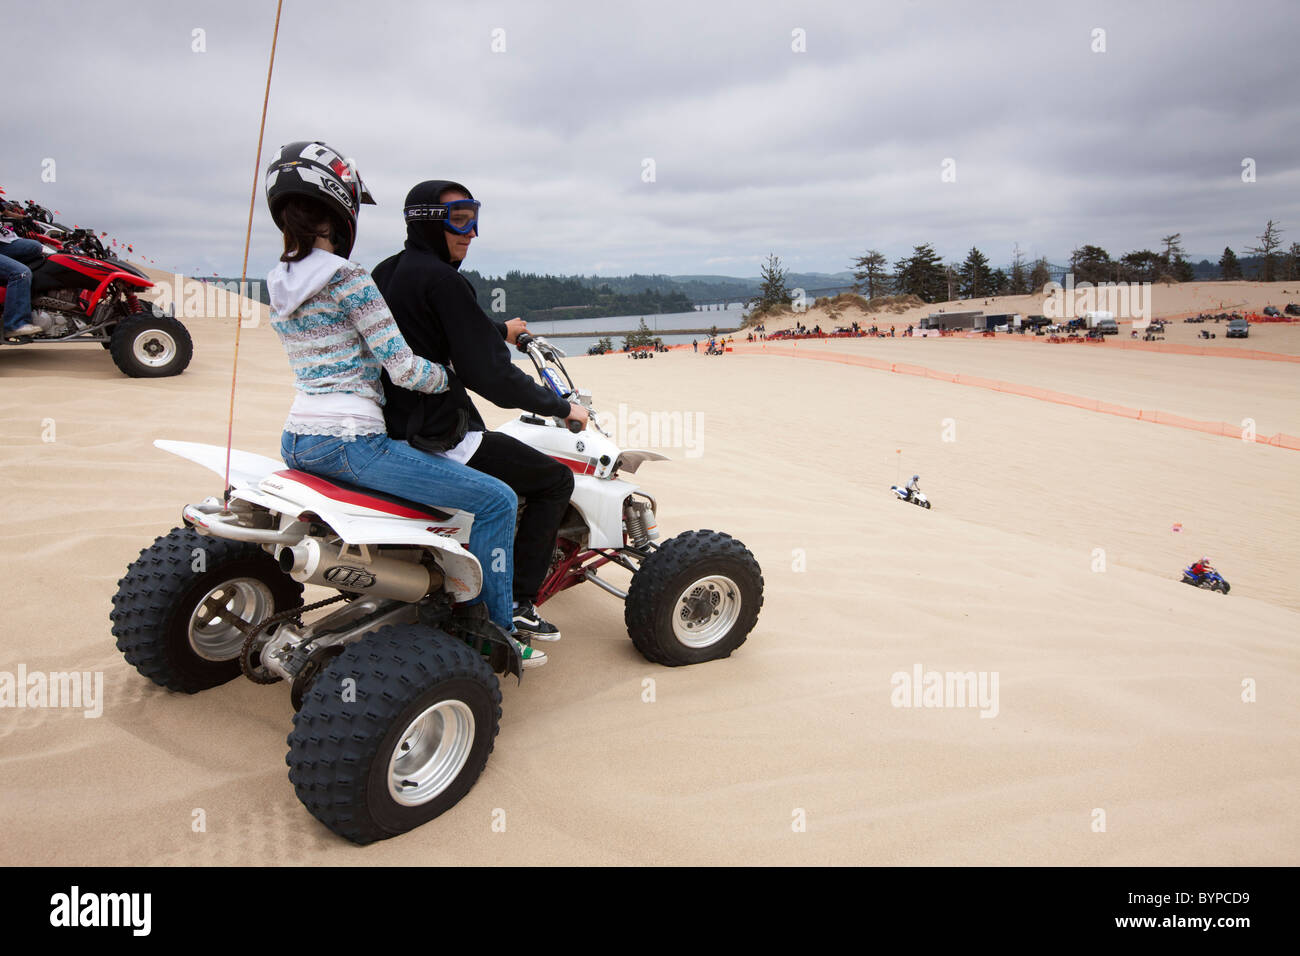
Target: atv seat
(347,493)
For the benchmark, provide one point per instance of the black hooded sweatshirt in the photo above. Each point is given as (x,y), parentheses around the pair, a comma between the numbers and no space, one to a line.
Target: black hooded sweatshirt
(438,313)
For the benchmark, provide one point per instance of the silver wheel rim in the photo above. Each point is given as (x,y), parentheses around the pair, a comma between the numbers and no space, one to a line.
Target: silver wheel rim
(153,347)
(706,611)
(430,753)
(214,635)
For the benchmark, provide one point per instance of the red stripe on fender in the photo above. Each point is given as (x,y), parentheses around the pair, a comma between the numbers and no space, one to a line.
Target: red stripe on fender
(330,490)
(578,467)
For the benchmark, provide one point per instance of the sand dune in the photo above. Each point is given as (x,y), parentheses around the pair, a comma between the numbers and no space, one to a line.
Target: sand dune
(1172,300)
(1120,689)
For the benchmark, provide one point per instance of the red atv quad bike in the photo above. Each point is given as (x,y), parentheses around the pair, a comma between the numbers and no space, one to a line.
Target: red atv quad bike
(83,297)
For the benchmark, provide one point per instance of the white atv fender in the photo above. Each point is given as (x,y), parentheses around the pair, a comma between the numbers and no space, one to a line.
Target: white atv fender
(254,479)
(594,459)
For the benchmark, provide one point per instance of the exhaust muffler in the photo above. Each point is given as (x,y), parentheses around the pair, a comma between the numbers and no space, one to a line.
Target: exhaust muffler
(311,562)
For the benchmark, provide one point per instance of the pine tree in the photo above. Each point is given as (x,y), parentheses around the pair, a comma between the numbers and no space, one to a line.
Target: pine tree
(1266,250)
(772,291)
(641,336)
(1229,265)
(1175,259)
(1173,250)
(1293,262)
(1018,281)
(1091,264)
(921,274)
(976,276)
(872,274)
(1142,266)
(1040,276)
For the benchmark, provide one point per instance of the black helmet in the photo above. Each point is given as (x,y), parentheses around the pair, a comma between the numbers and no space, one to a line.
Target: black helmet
(315,171)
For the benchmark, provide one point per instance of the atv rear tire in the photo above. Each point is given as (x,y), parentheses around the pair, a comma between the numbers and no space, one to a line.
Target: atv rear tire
(150,345)
(393,732)
(170,613)
(694,599)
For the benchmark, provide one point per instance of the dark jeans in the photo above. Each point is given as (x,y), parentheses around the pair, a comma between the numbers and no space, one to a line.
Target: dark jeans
(544,486)
(14,258)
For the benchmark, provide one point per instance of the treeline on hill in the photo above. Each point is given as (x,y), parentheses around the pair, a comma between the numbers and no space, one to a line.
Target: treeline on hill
(924,273)
(544,297)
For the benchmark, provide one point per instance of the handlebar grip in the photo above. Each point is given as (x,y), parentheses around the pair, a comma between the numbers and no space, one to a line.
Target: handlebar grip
(575,426)
(521,343)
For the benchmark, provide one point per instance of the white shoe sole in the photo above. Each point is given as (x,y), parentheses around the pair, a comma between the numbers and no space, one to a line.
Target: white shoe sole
(533,636)
(537,660)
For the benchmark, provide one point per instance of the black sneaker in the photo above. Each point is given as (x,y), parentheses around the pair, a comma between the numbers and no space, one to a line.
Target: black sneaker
(529,622)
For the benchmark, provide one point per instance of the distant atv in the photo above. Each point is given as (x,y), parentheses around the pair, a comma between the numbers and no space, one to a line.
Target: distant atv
(1210,580)
(397,709)
(917,497)
(86,296)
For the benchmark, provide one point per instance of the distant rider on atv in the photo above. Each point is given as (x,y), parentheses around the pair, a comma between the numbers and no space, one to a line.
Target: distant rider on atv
(913,487)
(1201,568)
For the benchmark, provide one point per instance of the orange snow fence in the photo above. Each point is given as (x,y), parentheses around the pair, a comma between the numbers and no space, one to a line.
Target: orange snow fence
(1226,352)
(1280,440)
(1111,342)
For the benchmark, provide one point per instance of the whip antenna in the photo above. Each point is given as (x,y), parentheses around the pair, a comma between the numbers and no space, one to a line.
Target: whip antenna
(248,237)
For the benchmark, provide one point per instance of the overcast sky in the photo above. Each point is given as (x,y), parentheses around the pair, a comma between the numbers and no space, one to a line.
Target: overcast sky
(814,155)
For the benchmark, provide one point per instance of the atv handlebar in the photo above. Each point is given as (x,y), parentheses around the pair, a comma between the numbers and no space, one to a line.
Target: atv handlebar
(526,342)
(543,353)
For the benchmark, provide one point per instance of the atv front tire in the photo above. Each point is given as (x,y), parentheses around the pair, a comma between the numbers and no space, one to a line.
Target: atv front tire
(694,599)
(150,345)
(393,732)
(172,613)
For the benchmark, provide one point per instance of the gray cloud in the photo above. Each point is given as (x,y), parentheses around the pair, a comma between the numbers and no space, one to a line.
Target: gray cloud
(814,155)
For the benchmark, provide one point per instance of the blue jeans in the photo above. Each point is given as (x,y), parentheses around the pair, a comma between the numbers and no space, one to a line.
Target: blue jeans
(394,467)
(17,279)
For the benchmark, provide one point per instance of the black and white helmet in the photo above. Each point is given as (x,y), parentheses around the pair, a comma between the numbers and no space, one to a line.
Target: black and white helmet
(316,171)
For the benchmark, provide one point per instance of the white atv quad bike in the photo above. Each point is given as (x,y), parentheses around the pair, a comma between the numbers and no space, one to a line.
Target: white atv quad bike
(917,497)
(396,708)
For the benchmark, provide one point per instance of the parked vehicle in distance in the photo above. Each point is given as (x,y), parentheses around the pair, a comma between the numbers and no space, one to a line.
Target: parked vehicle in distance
(1271,310)
(1238,329)
(1293,309)
(1107,327)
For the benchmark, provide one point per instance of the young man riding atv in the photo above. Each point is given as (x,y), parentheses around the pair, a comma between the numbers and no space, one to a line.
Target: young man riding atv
(437,311)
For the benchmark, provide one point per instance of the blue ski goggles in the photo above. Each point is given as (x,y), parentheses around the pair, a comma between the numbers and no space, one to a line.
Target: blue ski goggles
(459,216)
